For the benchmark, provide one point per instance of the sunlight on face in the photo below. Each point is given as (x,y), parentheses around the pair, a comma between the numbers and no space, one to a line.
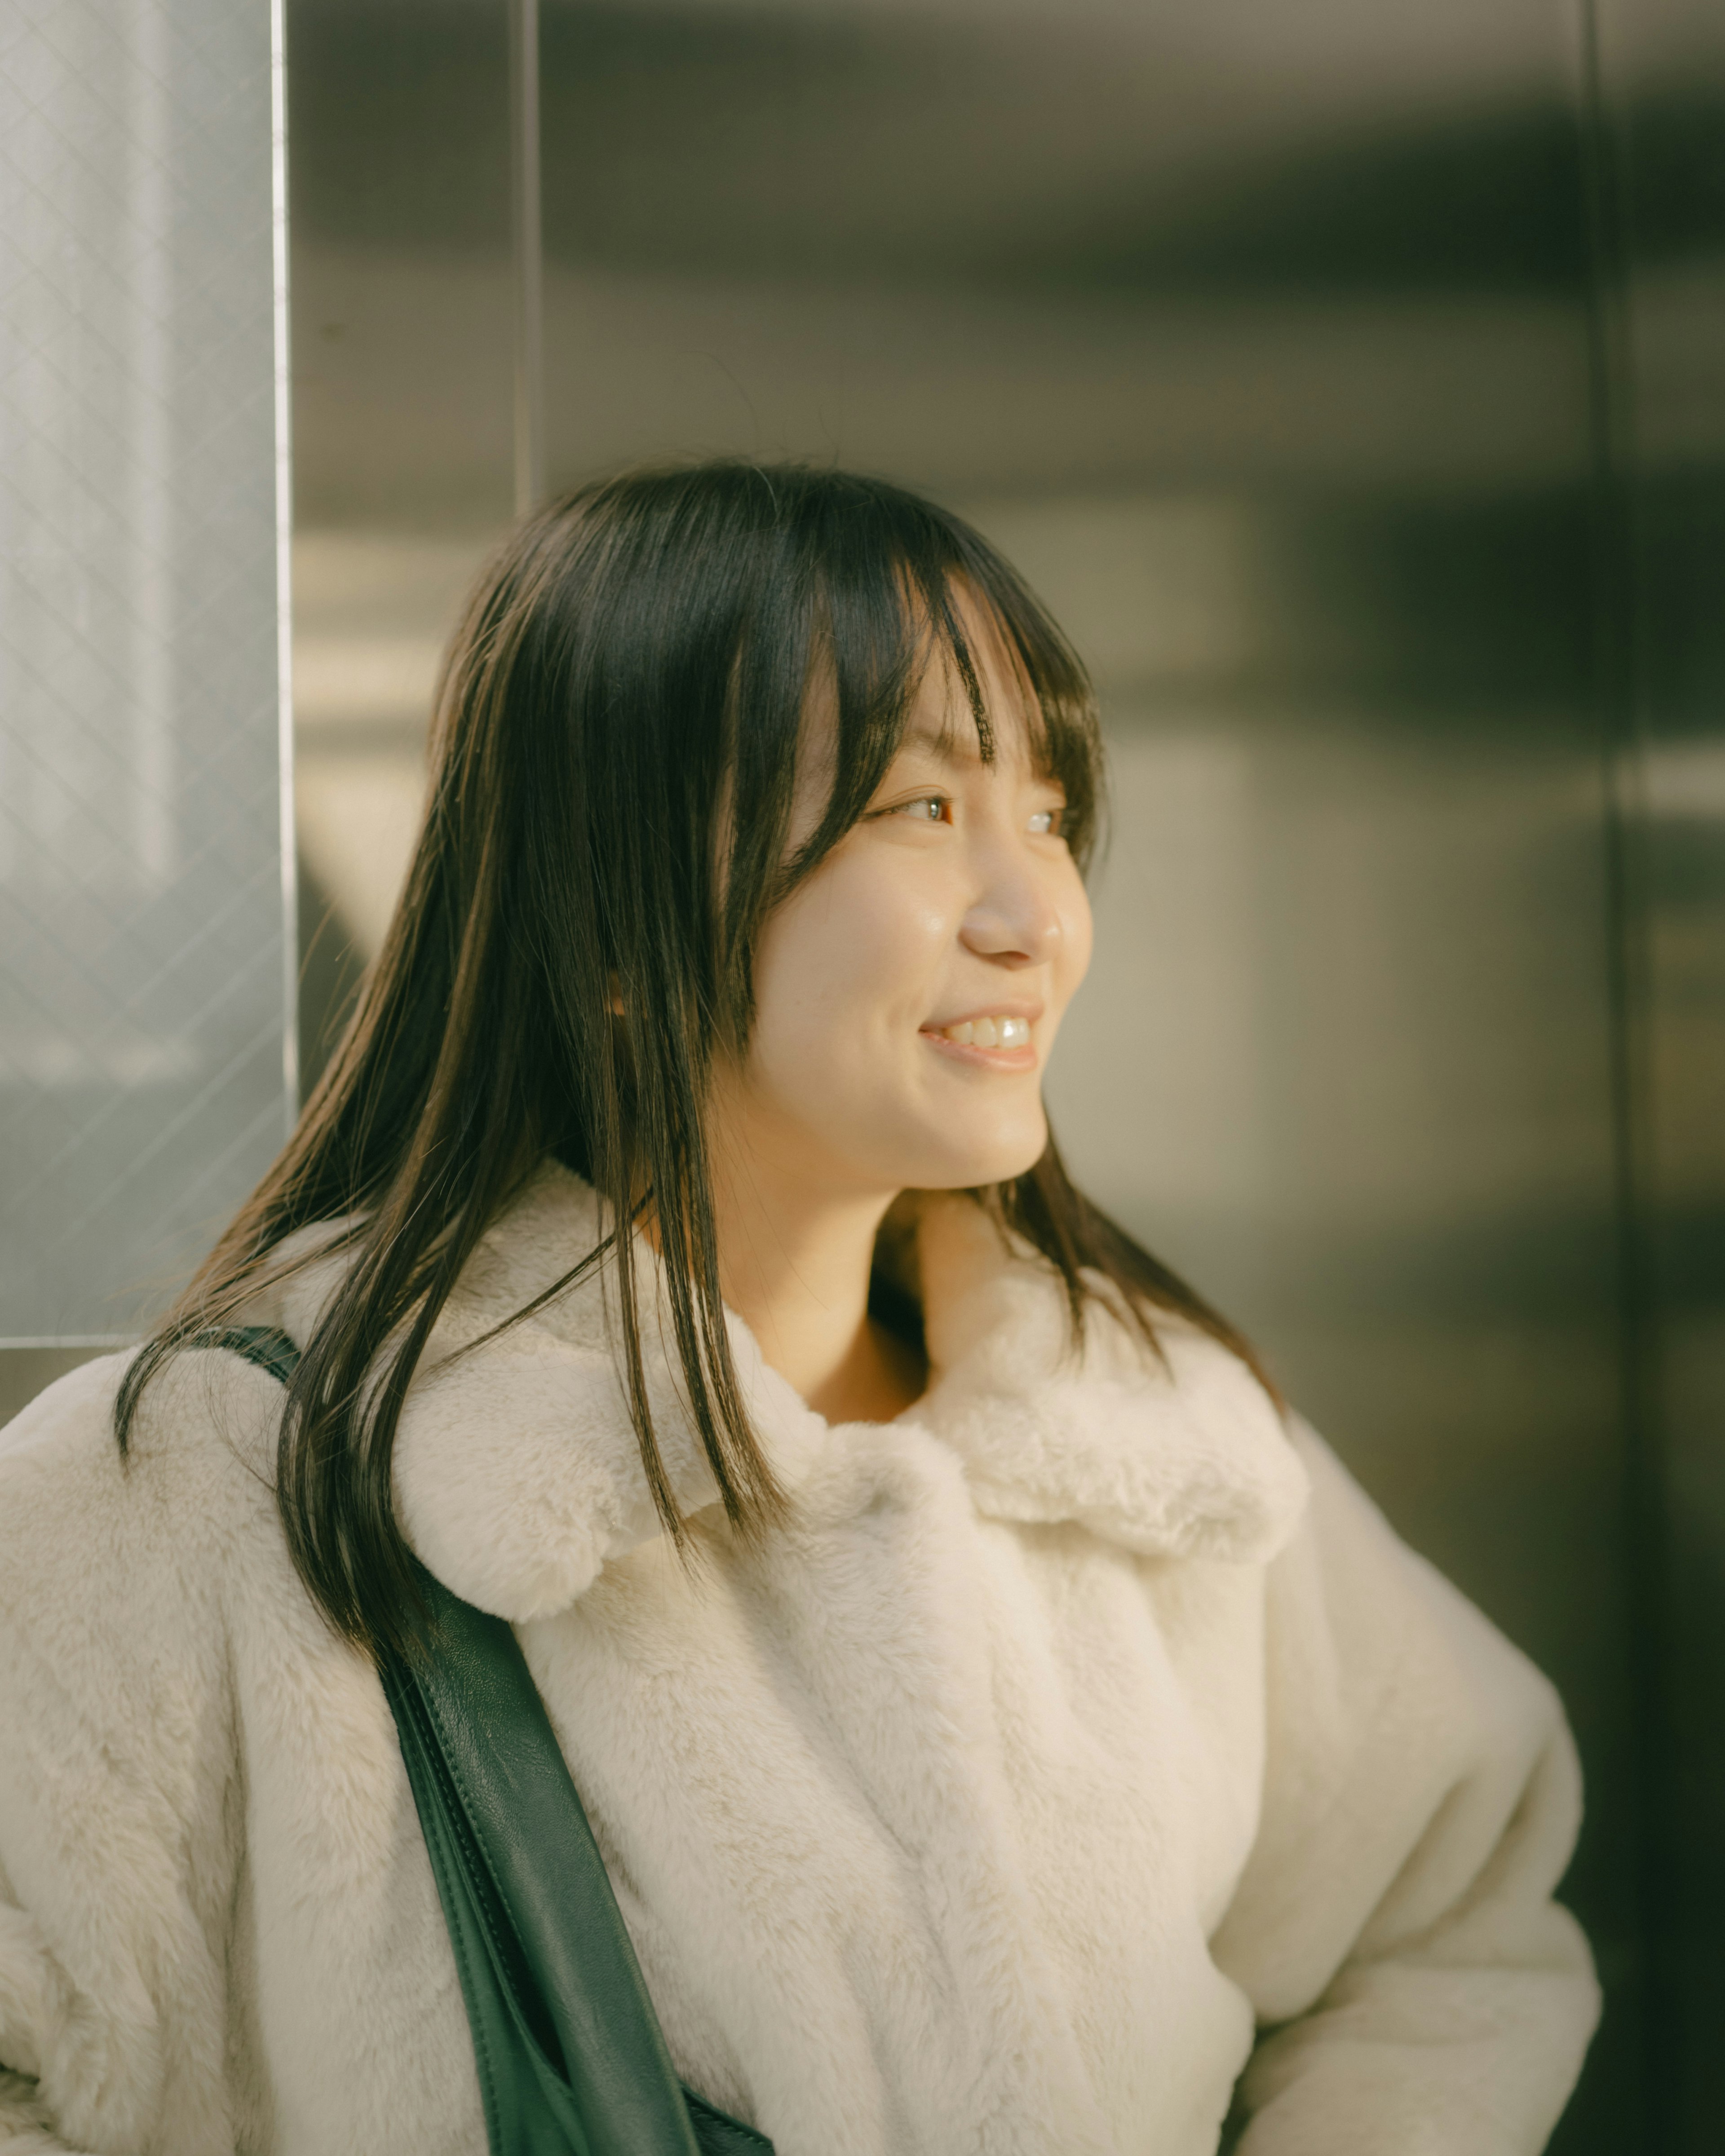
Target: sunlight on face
(909,993)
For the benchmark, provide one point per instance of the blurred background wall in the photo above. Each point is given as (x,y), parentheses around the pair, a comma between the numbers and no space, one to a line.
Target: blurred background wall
(1351,380)
(1657,182)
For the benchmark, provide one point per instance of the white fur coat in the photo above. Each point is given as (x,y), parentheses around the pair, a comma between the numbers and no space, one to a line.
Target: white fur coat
(1086,1728)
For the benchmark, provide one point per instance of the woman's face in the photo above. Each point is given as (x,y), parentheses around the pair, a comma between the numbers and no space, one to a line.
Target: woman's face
(908,993)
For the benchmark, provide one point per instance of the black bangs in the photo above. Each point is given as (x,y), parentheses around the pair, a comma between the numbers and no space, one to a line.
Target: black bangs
(615,771)
(733,596)
(864,588)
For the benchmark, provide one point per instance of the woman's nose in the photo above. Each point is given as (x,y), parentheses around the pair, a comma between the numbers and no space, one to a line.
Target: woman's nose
(1014,920)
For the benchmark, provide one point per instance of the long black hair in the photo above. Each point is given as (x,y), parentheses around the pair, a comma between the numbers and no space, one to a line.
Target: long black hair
(614,755)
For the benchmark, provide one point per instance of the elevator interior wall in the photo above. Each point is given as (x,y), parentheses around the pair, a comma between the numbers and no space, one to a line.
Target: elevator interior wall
(1265,340)
(1661,205)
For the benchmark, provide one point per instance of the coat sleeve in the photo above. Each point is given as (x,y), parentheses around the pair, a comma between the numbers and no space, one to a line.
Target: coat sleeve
(1420,1992)
(117,1813)
(30,2011)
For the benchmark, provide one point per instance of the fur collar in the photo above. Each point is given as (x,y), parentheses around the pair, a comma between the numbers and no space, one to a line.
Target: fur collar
(517,1474)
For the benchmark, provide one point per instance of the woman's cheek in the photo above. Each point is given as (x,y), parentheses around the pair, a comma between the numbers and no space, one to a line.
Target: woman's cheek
(829,977)
(890,933)
(1077,925)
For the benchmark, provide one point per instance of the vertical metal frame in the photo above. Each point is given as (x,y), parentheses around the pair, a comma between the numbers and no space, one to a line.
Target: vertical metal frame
(528,253)
(284,561)
(1674,1608)
(1611,422)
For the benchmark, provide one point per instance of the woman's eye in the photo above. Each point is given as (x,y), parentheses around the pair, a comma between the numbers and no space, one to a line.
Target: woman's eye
(926,809)
(1048,820)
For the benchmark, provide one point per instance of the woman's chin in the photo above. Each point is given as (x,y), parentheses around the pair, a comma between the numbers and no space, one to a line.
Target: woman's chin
(972,1166)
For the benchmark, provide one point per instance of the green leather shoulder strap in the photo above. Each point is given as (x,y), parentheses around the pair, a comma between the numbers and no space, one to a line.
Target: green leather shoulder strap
(571,2061)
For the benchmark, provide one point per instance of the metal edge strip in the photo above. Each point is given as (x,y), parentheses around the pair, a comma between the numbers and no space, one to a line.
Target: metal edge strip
(284,563)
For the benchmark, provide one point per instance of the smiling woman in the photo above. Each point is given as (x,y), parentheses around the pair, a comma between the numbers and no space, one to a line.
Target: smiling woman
(992,1707)
(907,996)
(769,669)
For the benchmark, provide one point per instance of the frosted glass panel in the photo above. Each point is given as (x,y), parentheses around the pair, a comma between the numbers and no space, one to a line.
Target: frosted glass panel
(142,1051)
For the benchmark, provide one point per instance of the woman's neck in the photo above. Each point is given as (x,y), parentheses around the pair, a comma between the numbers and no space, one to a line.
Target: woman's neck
(795,1265)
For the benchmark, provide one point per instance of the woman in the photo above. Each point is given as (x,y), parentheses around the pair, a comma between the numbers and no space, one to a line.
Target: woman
(1006,1729)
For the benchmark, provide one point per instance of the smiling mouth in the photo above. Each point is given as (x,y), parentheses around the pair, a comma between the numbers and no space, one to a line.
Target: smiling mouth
(986,1032)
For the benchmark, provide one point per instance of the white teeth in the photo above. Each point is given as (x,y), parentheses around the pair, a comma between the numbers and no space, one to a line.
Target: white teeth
(990,1032)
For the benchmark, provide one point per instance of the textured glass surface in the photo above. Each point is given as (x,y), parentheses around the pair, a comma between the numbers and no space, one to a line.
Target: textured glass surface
(142,979)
